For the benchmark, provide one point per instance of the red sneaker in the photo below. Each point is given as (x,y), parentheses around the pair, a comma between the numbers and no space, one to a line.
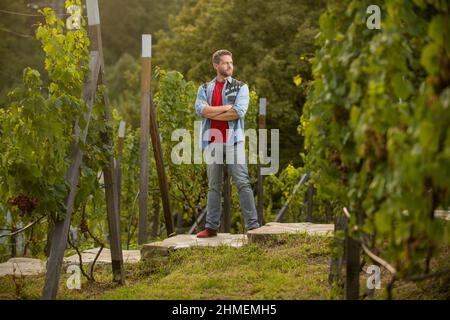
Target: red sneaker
(207,233)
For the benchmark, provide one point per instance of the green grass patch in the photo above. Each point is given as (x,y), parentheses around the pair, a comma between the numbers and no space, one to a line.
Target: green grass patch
(287,267)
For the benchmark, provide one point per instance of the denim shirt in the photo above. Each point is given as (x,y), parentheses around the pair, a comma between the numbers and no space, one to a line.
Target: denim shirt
(239,100)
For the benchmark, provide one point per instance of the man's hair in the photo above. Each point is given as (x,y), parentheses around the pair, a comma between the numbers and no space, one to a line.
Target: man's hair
(218,54)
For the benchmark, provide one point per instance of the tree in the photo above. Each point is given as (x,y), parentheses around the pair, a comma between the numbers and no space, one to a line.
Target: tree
(18,48)
(376,126)
(123,23)
(266,39)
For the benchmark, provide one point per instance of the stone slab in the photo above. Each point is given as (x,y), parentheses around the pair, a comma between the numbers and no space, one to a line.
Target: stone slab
(442,214)
(182,241)
(28,266)
(22,266)
(88,256)
(276,228)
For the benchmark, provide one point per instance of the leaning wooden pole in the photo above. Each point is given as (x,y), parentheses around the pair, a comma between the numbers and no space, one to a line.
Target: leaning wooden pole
(261,126)
(109,172)
(61,227)
(156,142)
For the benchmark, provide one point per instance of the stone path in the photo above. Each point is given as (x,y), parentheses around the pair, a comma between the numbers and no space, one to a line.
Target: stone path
(28,266)
(190,240)
(88,256)
(235,240)
(276,228)
(442,214)
(22,266)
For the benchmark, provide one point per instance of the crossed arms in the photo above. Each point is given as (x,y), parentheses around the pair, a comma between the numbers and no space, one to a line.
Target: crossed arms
(221,113)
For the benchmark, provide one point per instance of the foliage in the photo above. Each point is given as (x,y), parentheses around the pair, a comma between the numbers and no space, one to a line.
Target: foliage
(266,39)
(33,181)
(18,48)
(376,125)
(122,25)
(34,118)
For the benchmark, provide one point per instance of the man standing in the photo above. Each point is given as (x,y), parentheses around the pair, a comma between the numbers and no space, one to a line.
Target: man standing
(222,104)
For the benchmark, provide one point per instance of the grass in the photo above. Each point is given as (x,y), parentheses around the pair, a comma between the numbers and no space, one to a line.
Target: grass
(435,288)
(290,267)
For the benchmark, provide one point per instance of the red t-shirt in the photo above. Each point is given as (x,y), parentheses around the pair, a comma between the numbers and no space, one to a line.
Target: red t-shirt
(216,100)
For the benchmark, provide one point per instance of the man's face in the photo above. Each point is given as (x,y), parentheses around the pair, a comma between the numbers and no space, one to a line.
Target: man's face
(225,66)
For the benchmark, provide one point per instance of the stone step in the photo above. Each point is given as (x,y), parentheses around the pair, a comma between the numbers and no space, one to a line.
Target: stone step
(29,266)
(162,248)
(88,256)
(22,266)
(182,241)
(272,229)
(442,214)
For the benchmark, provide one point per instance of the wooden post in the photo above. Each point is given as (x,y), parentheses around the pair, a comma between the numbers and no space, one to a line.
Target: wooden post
(61,228)
(352,262)
(310,203)
(155,221)
(226,218)
(179,222)
(109,172)
(13,243)
(59,7)
(49,238)
(145,137)
(336,261)
(261,125)
(120,142)
(154,134)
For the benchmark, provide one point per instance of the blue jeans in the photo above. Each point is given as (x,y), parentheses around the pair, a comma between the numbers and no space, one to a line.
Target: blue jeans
(239,172)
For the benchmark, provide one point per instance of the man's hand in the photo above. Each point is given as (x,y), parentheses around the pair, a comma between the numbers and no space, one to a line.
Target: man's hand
(229,115)
(223,108)
(209,111)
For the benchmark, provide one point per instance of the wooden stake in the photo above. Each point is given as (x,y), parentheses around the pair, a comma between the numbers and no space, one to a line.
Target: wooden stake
(154,134)
(112,202)
(145,137)
(109,172)
(310,203)
(120,142)
(352,254)
(261,125)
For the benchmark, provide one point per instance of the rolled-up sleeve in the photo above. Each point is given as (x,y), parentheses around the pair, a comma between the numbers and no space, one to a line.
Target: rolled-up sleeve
(201,97)
(242,100)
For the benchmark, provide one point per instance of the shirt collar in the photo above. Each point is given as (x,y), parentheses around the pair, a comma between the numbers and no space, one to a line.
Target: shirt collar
(227,79)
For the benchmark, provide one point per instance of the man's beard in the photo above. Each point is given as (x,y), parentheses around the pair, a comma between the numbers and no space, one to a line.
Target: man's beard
(225,74)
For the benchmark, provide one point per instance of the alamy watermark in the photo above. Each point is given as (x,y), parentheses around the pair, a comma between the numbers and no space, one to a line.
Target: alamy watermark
(74,281)
(374,20)
(374,280)
(188,150)
(74,20)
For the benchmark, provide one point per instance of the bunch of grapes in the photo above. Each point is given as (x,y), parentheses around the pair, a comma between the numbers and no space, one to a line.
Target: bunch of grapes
(26,204)
(84,226)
